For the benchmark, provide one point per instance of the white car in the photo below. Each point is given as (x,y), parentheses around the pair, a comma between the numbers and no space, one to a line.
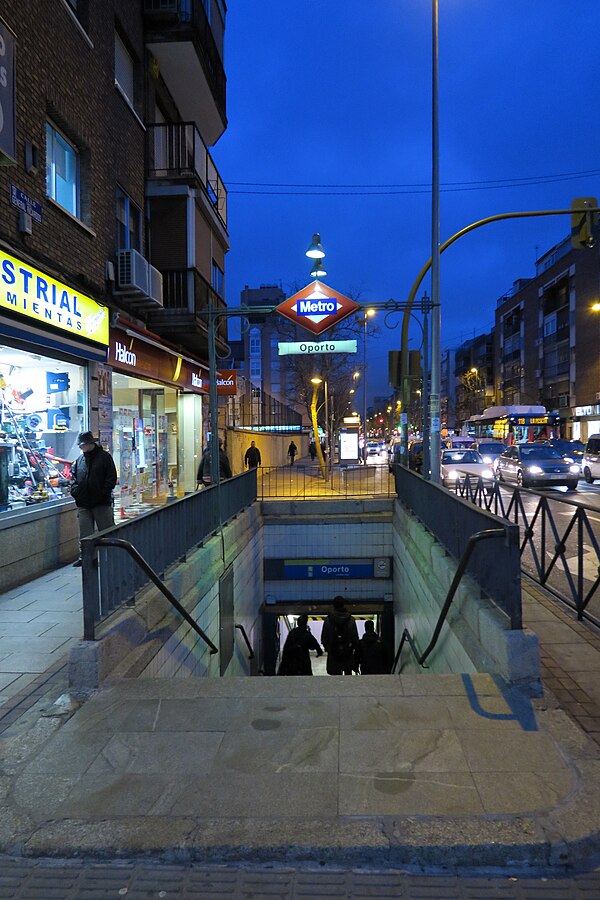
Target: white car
(456,464)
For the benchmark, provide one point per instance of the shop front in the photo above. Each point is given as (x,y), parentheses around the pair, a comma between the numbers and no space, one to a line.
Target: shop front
(586,421)
(49,335)
(150,417)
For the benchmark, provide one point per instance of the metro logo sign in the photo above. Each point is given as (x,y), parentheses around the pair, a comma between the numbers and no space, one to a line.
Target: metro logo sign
(317,307)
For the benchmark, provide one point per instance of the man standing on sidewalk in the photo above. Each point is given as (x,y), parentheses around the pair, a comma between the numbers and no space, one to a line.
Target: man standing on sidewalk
(94,477)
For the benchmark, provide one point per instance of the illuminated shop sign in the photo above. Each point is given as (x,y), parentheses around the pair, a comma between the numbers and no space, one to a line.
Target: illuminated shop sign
(133,355)
(226,383)
(28,292)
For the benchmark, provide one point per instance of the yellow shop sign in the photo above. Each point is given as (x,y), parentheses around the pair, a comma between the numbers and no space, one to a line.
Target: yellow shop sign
(27,291)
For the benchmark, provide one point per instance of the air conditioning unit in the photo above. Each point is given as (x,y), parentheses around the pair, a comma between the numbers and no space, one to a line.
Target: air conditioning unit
(598,396)
(156,285)
(563,400)
(132,273)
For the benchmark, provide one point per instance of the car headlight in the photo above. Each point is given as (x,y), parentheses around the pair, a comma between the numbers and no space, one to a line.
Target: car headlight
(487,473)
(576,470)
(487,460)
(535,470)
(568,459)
(452,475)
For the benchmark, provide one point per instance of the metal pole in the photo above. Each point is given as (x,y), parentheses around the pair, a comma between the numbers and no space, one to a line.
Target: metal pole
(326,418)
(425,396)
(214,412)
(365,389)
(436,320)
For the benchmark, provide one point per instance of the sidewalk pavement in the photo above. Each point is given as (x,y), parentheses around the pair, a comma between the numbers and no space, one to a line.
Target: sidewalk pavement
(414,770)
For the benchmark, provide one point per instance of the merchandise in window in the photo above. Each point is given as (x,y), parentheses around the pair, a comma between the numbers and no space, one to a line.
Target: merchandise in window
(41,414)
(62,171)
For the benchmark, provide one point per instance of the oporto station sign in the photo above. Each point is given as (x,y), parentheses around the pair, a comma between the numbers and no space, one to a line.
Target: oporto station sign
(317,307)
(29,292)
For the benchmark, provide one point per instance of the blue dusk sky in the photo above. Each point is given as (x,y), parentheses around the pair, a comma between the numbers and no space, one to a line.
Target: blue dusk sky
(329,110)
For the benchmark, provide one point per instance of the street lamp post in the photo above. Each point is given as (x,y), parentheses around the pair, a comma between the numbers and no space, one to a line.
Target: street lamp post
(436,319)
(367,313)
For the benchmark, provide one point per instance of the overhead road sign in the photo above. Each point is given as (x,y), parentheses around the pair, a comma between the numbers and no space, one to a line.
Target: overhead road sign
(288,348)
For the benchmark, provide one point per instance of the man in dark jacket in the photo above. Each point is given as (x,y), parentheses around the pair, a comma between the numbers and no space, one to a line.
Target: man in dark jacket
(371,655)
(340,639)
(94,478)
(252,457)
(295,657)
(204,475)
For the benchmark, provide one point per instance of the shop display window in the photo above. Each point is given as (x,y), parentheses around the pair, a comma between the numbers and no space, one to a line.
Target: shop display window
(42,403)
(145,446)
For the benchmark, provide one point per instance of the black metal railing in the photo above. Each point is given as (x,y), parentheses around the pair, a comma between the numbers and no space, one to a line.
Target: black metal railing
(301,482)
(165,535)
(452,523)
(152,575)
(559,545)
(488,534)
(242,631)
(176,151)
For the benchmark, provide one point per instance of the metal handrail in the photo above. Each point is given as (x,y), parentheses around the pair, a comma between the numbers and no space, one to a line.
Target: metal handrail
(406,637)
(488,534)
(137,556)
(248,644)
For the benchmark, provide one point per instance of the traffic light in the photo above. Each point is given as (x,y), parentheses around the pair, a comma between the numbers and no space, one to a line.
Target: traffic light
(415,366)
(394,369)
(584,225)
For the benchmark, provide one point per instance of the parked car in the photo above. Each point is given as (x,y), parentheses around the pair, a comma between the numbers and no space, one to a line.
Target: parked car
(490,450)
(536,465)
(456,464)
(572,451)
(415,456)
(590,461)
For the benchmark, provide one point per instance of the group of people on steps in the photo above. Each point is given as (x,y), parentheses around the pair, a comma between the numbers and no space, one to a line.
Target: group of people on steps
(346,653)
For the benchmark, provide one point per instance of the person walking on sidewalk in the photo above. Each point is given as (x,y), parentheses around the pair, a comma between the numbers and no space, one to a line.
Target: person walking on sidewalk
(204,475)
(252,458)
(94,478)
(292,450)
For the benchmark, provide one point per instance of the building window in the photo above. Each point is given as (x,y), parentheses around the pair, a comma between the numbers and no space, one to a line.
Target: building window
(255,343)
(123,69)
(62,171)
(217,277)
(129,223)
(255,368)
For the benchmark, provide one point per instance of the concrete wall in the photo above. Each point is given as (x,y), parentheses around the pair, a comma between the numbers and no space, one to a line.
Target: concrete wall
(36,540)
(477,635)
(151,640)
(273,447)
(327,529)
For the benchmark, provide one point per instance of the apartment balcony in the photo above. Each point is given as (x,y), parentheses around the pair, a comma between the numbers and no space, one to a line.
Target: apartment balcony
(180,37)
(177,153)
(183,318)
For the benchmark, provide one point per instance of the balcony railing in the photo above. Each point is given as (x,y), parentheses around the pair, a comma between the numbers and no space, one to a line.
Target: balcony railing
(176,151)
(186,291)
